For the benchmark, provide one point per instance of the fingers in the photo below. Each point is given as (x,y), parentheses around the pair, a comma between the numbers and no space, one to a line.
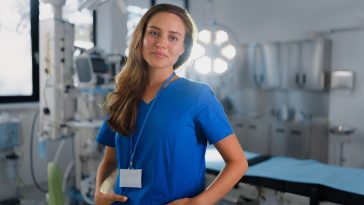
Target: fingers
(116,197)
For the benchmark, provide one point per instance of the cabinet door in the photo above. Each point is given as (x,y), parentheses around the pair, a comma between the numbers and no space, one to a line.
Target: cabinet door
(257,136)
(290,139)
(279,143)
(267,65)
(290,59)
(298,140)
(240,131)
(248,64)
(314,63)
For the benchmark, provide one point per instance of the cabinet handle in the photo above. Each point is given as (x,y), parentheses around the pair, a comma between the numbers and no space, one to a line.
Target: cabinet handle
(258,78)
(240,125)
(295,132)
(261,78)
(304,78)
(297,79)
(280,130)
(253,127)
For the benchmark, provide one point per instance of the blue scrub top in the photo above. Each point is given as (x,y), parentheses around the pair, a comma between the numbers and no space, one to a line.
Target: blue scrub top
(171,149)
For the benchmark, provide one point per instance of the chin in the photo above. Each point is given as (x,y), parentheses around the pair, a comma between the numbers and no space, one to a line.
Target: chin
(159,65)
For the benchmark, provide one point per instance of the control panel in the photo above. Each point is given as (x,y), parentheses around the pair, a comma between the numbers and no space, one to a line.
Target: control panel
(9,134)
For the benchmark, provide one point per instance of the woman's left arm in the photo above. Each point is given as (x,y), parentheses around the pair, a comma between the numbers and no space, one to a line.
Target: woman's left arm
(235,167)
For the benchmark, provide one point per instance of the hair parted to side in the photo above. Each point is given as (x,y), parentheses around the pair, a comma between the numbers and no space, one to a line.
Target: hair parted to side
(122,104)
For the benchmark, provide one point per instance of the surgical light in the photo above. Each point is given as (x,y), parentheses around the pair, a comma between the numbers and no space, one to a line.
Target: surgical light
(220,65)
(204,36)
(214,50)
(203,65)
(221,37)
(228,51)
(198,51)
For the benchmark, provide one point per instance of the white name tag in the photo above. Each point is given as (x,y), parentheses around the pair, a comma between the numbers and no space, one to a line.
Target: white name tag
(131,178)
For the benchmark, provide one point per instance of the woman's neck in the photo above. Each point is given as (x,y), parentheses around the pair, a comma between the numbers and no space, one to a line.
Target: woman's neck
(158,76)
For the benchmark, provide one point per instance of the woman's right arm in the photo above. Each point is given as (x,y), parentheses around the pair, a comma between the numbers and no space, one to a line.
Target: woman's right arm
(107,165)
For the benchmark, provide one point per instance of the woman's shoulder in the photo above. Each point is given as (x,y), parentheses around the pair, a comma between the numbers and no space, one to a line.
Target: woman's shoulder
(197,93)
(192,87)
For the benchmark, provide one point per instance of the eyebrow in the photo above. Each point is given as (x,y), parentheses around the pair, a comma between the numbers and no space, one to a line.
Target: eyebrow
(174,32)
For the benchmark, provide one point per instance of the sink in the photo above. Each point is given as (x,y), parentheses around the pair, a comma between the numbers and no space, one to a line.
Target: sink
(341,130)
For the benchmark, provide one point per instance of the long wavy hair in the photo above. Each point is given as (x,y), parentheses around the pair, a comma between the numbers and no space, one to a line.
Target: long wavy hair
(122,104)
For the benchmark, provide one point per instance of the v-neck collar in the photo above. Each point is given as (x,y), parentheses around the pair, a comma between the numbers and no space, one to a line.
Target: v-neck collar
(165,90)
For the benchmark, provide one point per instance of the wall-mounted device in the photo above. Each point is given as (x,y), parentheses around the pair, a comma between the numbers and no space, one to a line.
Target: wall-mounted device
(342,79)
(9,135)
(92,69)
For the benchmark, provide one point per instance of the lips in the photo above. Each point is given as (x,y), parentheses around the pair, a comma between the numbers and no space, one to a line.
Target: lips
(159,54)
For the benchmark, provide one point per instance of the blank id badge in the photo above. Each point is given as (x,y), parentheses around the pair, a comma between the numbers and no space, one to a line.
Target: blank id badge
(130,178)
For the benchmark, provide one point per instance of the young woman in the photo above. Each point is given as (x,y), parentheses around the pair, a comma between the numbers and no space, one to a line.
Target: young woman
(158,124)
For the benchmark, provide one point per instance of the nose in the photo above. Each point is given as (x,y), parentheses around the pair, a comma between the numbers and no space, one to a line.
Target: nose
(162,42)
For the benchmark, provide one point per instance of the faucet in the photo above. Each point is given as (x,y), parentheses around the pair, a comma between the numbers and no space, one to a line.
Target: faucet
(304,115)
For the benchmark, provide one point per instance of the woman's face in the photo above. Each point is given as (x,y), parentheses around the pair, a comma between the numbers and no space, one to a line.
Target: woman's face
(163,40)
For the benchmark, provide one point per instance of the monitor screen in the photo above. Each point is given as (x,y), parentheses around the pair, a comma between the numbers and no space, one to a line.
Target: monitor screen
(99,65)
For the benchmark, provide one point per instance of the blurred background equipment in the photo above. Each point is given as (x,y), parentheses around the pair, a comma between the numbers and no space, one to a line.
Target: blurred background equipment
(91,68)
(74,82)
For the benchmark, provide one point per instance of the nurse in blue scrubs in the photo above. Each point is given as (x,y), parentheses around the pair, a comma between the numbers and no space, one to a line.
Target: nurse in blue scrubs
(158,124)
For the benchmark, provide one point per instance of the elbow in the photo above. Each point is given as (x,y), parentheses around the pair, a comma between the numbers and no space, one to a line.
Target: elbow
(243,166)
(240,166)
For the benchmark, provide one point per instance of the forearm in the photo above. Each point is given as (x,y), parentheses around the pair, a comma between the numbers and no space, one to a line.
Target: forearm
(106,197)
(227,179)
(103,171)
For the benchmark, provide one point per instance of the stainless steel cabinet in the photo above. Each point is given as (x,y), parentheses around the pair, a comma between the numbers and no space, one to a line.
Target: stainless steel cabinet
(304,63)
(303,140)
(238,126)
(261,65)
(315,61)
(290,139)
(267,65)
(248,52)
(257,137)
(287,65)
(290,62)
(253,135)
(279,144)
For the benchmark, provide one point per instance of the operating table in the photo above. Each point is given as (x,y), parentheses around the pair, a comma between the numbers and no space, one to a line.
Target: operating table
(320,182)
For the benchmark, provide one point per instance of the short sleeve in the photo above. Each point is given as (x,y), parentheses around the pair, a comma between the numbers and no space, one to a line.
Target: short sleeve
(210,116)
(106,136)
